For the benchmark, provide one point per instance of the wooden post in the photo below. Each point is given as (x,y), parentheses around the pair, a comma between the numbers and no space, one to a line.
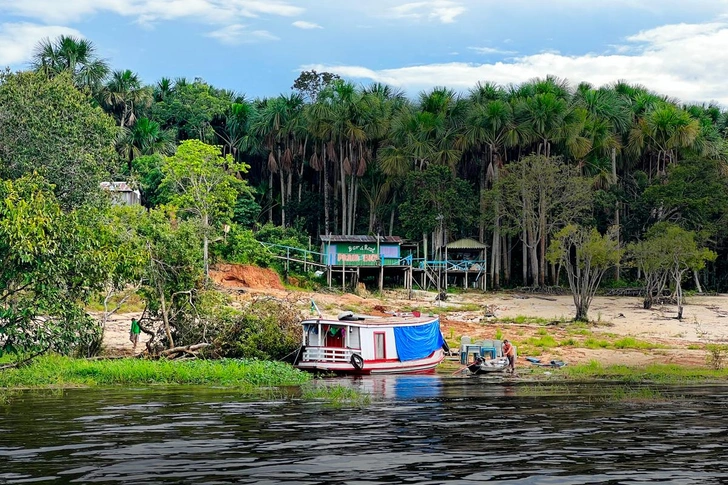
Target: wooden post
(381,277)
(343,276)
(467,270)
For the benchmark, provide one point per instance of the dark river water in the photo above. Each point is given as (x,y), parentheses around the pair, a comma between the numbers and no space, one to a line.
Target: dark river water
(415,430)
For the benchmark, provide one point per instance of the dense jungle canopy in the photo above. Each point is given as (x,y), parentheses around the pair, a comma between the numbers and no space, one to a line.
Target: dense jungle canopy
(509,165)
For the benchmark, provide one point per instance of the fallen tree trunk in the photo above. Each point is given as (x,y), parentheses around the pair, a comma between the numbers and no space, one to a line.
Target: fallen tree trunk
(187,349)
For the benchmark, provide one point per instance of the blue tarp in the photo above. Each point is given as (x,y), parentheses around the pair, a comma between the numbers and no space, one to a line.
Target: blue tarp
(417,342)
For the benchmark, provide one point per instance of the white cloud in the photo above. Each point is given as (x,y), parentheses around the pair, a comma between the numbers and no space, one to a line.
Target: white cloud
(17,40)
(490,50)
(302,24)
(444,11)
(237,34)
(688,61)
(148,11)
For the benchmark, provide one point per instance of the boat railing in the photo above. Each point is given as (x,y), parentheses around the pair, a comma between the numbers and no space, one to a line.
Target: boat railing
(327,354)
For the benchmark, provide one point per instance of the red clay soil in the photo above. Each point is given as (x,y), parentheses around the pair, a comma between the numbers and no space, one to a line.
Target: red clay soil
(243,276)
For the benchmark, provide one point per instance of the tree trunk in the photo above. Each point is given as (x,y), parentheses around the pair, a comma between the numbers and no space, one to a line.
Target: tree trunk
(697,282)
(525,258)
(270,197)
(165,317)
(282,179)
(496,248)
(205,246)
(342,188)
(326,190)
(507,252)
(617,267)
(391,215)
(542,241)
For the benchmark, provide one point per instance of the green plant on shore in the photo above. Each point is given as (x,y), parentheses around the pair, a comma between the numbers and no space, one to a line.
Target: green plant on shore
(659,373)
(55,371)
(716,356)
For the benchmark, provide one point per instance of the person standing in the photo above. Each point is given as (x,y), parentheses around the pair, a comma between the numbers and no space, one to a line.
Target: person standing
(510,352)
(134,333)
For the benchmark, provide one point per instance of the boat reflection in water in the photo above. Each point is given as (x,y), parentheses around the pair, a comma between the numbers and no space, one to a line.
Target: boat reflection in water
(405,387)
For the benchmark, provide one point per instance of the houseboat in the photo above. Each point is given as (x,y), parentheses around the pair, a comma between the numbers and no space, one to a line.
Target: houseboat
(357,344)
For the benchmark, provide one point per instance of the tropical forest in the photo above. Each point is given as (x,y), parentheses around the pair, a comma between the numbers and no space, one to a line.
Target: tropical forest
(567,184)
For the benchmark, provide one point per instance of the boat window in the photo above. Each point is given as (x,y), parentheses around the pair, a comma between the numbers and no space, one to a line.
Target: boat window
(354,341)
(379,347)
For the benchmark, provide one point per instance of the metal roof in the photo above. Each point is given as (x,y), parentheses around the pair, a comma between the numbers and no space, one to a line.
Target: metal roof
(361,239)
(117,187)
(466,243)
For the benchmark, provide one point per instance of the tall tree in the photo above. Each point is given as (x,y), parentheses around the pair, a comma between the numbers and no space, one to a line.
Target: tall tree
(73,55)
(542,195)
(124,96)
(201,184)
(586,255)
(50,127)
(51,262)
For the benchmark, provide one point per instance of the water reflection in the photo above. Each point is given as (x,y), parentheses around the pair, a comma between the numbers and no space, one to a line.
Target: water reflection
(418,429)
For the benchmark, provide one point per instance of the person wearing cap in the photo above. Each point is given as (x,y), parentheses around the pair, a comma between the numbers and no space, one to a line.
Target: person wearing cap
(510,352)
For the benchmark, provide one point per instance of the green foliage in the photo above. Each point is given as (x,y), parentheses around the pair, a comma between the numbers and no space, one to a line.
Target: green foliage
(310,83)
(334,394)
(51,262)
(716,355)
(147,170)
(55,371)
(199,181)
(266,329)
(694,194)
(191,108)
(586,255)
(662,373)
(434,192)
(246,210)
(242,247)
(50,127)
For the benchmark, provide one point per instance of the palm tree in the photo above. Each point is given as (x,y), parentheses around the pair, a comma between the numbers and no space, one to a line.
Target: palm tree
(73,55)
(489,127)
(145,137)
(123,95)
(661,132)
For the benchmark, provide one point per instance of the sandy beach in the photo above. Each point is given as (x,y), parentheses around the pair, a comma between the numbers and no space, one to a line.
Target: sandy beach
(705,321)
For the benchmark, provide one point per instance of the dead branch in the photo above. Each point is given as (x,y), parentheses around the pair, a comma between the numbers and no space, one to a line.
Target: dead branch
(184,349)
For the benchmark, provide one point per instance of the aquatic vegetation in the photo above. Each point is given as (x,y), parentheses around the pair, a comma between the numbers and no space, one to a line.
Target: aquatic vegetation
(335,394)
(659,373)
(57,371)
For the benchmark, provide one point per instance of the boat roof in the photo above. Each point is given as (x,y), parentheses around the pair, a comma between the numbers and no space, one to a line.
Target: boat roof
(398,320)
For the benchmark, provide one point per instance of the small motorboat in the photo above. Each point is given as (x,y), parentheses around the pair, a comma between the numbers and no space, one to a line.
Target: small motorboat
(483,366)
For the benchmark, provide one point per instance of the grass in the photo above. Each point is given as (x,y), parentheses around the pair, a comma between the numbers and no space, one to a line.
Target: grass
(334,394)
(526,320)
(659,373)
(58,372)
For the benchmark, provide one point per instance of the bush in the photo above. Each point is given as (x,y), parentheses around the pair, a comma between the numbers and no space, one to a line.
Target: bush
(716,355)
(266,329)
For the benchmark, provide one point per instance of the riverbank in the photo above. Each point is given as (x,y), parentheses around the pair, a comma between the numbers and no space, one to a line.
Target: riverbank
(248,376)
(621,332)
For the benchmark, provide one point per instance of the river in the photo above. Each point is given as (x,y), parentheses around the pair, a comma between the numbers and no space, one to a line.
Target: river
(416,429)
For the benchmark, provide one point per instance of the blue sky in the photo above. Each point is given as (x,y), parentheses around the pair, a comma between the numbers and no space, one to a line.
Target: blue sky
(258,47)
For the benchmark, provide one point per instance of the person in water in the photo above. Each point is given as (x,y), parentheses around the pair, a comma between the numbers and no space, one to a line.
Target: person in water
(510,352)
(134,333)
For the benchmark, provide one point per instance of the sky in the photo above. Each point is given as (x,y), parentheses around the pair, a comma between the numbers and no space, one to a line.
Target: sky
(258,47)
